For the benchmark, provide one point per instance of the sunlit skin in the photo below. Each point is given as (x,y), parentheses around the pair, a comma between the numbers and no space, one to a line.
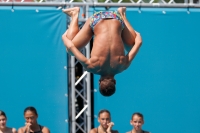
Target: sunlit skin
(105,124)
(3,128)
(2,122)
(108,56)
(31,119)
(104,119)
(137,123)
(31,124)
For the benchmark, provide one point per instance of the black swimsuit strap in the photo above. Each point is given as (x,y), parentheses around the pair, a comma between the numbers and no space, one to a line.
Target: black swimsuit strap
(142,131)
(40,128)
(37,131)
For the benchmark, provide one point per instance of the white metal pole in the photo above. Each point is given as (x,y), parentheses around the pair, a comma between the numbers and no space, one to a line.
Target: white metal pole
(88,80)
(73,94)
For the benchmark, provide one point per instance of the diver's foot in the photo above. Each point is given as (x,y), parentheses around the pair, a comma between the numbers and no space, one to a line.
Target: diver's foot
(122,10)
(72,12)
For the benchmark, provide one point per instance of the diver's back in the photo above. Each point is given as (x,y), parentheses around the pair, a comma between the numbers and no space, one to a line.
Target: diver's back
(108,27)
(107,34)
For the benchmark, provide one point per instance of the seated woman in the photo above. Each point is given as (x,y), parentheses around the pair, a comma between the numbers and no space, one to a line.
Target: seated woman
(112,33)
(137,120)
(104,119)
(31,125)
(3,128)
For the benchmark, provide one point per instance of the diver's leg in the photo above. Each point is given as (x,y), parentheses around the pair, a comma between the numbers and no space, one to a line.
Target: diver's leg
(128,33)
(73,27)
(83,37)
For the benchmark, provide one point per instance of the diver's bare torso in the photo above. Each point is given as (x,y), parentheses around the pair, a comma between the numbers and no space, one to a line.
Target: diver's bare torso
(107,55)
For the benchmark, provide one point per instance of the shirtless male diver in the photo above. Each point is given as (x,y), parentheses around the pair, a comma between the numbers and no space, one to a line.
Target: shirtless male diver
(112,33)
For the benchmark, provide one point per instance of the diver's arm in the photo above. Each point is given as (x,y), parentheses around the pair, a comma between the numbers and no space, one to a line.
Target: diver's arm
(132,53)
(72,49)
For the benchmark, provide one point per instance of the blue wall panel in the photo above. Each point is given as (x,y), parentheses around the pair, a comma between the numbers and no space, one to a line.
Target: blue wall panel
(163,81)
(32,62)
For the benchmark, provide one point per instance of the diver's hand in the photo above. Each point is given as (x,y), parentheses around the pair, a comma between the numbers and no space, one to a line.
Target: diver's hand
(109,129)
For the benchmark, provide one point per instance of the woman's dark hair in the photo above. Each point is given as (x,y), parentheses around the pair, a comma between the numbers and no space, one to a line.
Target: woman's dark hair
(3,113)
(32,109)
(138,114)
(102,111)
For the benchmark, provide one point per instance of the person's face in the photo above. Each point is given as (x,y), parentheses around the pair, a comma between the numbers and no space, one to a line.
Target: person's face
(30,117)
(2,121)
(104,119)
(137,122)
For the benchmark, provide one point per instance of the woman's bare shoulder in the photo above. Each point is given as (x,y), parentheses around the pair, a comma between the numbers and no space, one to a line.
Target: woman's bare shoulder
(21,130)
(14,130)
(11,130)
(94,130)
(45,129)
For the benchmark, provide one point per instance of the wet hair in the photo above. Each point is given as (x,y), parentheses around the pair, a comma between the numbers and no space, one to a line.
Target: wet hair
(138,114)
(107,87)
(32,109)
(102,111)
(3,113)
